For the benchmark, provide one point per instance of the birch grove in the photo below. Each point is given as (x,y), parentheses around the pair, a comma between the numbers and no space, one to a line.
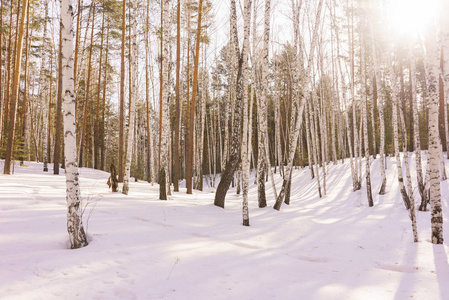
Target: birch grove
(225,96)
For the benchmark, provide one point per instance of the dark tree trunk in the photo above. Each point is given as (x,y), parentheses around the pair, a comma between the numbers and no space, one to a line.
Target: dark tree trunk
(58,125)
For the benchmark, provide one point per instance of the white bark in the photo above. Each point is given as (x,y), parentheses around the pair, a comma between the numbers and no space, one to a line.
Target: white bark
(245,145)
(405,197)
(133,99)
(416,138)
(380,105)
(409,180)
(74,214)
(365,129)
(165,122)
(314,125)
(433,84)
(43,86)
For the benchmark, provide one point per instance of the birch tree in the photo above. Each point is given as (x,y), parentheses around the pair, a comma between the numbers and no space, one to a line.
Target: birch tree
(133,99)
(365,126)
(436,211)
(190,129)
(74,214)
(246,130)
(164,182)
(380,105)
(43,83)
(121,139)
(394,92)
(416,137)
(176,170)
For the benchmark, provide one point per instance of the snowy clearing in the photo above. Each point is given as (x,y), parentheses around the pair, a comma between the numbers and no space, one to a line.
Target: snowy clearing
(140,247)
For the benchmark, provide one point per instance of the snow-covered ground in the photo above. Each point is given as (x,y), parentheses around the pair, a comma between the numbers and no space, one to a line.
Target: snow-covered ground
(140,247)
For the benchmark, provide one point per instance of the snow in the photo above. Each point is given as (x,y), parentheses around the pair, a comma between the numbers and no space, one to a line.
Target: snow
(140,247)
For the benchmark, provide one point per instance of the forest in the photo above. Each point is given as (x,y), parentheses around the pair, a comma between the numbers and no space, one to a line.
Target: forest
(201,92)
(150,131)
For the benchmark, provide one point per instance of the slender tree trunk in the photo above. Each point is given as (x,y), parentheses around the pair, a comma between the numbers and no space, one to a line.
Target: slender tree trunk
(74,214)
(97,142)
(409,180)
(132,99)
(150,160)
(84,132)
(246,130)
(58,125)
(25,105)
(314,128)
(43,90)
(365,128)
(164,182)
(176,170)
(380,100)
(416,138)
(121,139)
(190,129)
(103,106)
(405,197)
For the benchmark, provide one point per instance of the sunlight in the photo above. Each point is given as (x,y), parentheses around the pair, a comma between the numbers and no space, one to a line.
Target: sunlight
(409,17)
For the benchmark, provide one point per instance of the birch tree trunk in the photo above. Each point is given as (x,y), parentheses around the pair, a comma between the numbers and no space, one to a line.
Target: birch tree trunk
(98,108)
(416,138)
(263,157)
(121,139)
(74,214)
(346,116)
(356,178)
(191,129)
(176,170)
(133,99)
(314,125)
(380,105)
(165,121)
(405,197)
(365,128)
(246,130)
(43,90)
(409,179)
(149,115)
(436,211)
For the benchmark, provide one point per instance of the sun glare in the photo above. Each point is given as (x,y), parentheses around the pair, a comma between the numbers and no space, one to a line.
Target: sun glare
(409,17)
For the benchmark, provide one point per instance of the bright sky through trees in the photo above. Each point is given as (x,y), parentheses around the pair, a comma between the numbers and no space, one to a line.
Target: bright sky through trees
(408,17)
